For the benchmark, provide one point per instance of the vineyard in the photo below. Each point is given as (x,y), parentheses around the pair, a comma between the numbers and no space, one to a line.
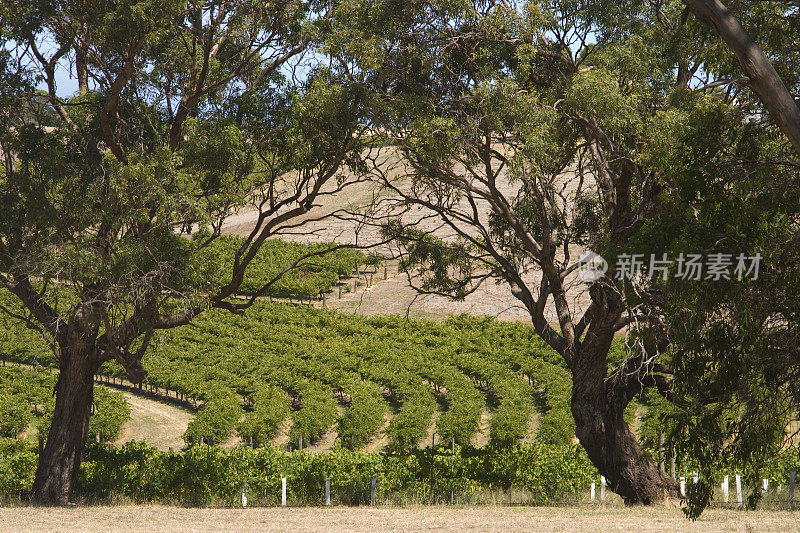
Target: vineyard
(26,406)
(273,268)
(323,370)
(489,401)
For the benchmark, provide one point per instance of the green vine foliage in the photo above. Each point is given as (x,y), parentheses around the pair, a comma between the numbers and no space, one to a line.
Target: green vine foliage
(307,279)
(209,475)
(26,401)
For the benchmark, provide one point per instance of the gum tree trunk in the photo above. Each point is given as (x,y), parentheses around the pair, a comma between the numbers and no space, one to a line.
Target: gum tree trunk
(610,444)
(57,472)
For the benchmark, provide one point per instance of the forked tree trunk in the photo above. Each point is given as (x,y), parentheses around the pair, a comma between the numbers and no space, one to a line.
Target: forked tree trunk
(610,444)
(57,472)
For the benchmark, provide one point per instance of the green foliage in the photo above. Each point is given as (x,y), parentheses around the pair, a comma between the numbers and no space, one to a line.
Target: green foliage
(17,467)
(214,421)
(15,415)
(365,415)
(318,412)
(262,424)
(110,412)
(206,475)
(308,278)
(370,365)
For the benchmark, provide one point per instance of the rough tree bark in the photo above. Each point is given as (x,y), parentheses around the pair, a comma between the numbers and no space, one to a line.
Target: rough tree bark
(598,408)
(57,472)
(755,64)
(81,69)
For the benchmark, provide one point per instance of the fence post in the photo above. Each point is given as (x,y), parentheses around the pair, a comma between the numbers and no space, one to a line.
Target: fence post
(602,488)
(283,492)
(725,488)
(591,492)
(244,494)
(695,477)
(327,491)
(764,485)
(372,490)
(738,488)
(683,486)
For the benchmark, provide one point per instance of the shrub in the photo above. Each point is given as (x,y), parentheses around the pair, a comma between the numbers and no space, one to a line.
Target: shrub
(262,425)
(214,422)
(111,411)
(15,415)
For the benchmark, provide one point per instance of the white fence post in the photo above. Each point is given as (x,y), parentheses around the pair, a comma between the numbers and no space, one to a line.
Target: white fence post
(283,492)
(725,488)
(764,485)
(244,494)
(738,488)
(683,486)
(327,491)
(602,488)
(591,492)
(695,477)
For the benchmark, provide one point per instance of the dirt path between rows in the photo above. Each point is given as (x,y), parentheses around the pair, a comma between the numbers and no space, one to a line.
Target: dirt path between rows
(158,423)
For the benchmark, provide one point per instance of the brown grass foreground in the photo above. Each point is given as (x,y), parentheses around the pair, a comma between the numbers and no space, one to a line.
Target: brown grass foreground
(130,519)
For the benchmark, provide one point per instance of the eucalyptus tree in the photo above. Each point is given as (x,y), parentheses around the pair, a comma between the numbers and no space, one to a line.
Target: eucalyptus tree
(534,131)
(187,113)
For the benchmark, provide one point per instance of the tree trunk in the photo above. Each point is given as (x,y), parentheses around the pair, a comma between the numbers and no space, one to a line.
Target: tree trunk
(610,444)
(81,69)
(59,461)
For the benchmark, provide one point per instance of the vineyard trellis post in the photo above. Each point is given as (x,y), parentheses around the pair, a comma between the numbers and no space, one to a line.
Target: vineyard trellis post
(374,482)
(327,491)
(725,488)
(738,489)
(283,492)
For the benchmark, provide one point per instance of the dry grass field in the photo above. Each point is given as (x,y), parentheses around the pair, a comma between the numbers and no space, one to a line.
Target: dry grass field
(130,519)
